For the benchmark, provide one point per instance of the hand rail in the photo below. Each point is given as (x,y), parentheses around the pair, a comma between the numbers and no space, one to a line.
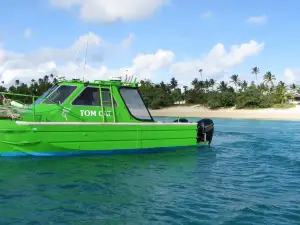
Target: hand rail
(101,103)
(112,102)
(24,95)
(33,104)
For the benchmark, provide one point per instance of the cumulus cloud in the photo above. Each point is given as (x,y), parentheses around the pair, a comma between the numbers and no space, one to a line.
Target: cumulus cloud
(159,65)
(257,19)
(147,64)
(112,10)
(67,61)
(292,75)
(47,53)
(217,61)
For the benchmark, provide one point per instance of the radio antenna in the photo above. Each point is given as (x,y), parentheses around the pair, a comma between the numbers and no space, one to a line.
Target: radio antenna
(86,52)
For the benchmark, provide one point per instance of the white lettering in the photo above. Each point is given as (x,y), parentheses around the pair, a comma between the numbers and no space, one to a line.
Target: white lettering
(94,113)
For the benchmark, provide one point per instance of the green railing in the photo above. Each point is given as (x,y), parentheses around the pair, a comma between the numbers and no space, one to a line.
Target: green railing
(33,97)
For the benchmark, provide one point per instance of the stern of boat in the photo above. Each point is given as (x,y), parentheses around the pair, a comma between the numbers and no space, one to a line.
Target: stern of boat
(205,131)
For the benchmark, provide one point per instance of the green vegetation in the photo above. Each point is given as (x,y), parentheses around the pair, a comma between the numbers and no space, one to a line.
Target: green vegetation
(209,93)
(36,88)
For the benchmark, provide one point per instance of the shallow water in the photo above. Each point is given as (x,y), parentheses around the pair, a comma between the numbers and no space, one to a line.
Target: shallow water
(251,175)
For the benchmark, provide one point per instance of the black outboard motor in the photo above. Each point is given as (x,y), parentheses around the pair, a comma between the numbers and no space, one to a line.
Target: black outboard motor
(205,130)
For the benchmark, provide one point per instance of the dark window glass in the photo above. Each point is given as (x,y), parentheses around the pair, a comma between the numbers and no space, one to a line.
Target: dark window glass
(135,103)
(90,97)
(60,94)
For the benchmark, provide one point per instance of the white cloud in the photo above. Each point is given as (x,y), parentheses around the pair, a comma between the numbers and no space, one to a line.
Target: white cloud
(60,62)
(206,15)
(257,19)
(146,65)
(291,75)
(126,43)
(67,54)
(112,10)
(47,60)
(27,33)
(217,61)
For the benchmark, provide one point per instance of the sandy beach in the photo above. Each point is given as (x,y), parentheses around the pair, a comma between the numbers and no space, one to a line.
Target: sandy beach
(201,112)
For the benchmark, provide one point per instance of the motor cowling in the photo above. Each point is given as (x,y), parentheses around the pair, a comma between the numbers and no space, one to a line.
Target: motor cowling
(205,130)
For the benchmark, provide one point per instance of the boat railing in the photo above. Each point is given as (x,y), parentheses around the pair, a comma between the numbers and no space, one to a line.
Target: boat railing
(13,108)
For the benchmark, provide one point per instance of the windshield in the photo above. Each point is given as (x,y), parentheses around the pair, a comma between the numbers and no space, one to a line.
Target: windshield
(46,94)
(135,103)
(60,94)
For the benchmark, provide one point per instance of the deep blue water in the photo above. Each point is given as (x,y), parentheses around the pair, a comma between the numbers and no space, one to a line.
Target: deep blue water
(250,175)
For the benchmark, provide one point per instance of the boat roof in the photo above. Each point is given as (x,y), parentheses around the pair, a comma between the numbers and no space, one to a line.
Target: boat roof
(110,82)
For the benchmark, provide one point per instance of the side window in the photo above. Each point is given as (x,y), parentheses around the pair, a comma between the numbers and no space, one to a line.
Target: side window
(135,104)
(106,98)
(90,96)
(60,94)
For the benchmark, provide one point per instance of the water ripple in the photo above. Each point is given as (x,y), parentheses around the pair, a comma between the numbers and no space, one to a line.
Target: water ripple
(250,175)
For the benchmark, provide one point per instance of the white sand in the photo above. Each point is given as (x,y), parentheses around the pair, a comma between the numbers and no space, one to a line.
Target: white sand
(201,112)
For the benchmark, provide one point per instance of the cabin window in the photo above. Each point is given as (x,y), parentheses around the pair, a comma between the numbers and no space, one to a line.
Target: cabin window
(60,94)
(135,104)
(45,95)
(90,96)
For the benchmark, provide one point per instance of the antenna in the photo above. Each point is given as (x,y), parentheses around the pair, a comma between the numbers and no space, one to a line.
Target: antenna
(86,51)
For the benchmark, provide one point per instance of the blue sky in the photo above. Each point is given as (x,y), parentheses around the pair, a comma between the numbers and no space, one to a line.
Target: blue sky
(189,29)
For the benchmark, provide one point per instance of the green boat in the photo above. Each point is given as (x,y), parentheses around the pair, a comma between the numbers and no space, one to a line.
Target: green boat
(76,117)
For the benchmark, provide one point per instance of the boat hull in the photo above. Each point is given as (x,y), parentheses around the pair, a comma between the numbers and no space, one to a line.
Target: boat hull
(65,139)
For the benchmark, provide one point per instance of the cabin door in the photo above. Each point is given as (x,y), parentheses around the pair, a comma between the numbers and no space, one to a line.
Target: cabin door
(87,105)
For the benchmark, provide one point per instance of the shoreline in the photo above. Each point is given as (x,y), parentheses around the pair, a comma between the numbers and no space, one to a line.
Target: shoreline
(292,114)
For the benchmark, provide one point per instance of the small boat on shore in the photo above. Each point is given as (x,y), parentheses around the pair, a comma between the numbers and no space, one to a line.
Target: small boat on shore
(76,117)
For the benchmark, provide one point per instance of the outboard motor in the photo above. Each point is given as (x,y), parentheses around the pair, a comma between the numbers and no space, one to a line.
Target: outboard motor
(205,130)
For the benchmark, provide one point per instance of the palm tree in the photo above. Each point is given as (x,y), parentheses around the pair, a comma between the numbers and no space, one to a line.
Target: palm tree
(281,84)
(195,82)
(235,80)
(207,84)
(293,87)
(212,83)
(269,78)
(244,85)
(282,92)
(256,71)
(46,78)
(223,86)
(17,82)
(200,71)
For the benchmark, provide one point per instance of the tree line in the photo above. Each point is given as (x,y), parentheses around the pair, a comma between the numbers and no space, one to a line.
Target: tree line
(208,92)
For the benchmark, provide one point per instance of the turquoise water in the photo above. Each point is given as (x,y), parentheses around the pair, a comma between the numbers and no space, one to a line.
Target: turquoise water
(251,175)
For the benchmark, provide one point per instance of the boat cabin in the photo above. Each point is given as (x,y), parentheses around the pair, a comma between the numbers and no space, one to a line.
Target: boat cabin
(98,101)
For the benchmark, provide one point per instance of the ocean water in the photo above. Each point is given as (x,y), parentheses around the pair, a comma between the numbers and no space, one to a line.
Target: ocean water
(250,175)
